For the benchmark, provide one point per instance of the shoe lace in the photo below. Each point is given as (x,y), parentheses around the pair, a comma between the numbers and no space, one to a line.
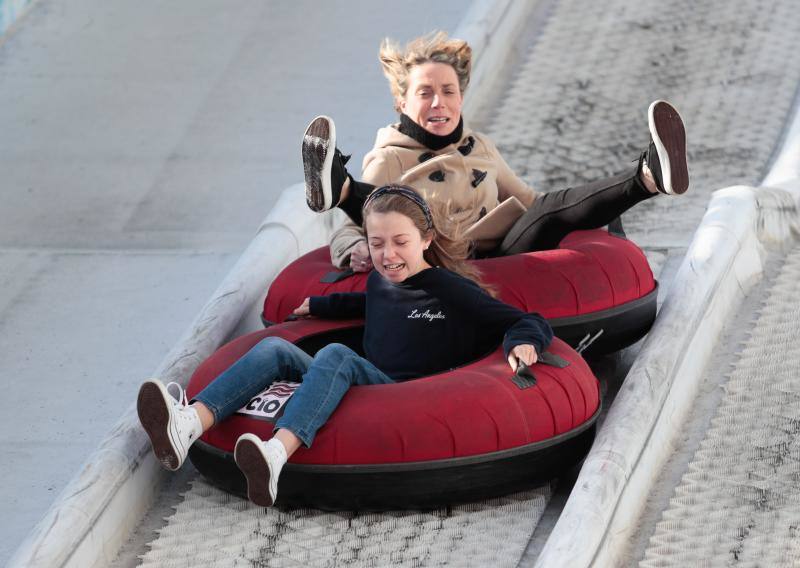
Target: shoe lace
(181,399)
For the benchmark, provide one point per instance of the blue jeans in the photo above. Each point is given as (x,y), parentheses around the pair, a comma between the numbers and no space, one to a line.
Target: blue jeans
(324,380)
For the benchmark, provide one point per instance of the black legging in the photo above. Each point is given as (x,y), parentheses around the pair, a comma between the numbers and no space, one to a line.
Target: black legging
(356,196)
(553,215)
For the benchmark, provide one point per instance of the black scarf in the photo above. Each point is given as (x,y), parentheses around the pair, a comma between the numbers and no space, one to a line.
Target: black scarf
(427,139)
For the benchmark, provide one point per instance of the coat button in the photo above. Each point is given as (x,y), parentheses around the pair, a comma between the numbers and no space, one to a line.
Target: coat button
(477,177)
(466,148)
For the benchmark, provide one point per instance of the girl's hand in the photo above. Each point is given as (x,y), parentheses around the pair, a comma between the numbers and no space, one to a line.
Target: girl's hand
(360,260)
(304,309)
(525,353)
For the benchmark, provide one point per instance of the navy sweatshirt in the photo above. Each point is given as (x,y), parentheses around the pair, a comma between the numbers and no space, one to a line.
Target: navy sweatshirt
(431,322)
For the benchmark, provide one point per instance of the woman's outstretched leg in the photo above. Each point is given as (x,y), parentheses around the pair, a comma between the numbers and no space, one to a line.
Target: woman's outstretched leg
(662,168)
(173,425)
(333,371)
(328,184)
(555,214)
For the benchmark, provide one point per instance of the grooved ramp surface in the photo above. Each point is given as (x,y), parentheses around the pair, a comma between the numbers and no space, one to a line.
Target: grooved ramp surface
(213,528)
(738,504)
(576,110)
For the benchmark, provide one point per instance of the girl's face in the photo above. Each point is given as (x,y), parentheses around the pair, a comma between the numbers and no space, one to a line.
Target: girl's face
(395,245)
(433,98)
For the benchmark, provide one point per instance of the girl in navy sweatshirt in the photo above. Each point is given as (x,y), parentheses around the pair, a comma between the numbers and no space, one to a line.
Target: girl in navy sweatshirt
(424,313)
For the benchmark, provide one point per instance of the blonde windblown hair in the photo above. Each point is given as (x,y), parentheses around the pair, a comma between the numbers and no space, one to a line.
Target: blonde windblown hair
(435,47)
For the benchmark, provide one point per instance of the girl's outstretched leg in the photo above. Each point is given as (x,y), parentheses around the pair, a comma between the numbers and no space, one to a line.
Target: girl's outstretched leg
(173,425)
(333,371)
(270,359)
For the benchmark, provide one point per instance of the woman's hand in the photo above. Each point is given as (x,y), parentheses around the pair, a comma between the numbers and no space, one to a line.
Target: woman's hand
(304,309)
(525,353)
(360,260)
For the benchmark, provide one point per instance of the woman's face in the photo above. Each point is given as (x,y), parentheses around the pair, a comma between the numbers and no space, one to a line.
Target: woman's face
(433,98)
(395,245)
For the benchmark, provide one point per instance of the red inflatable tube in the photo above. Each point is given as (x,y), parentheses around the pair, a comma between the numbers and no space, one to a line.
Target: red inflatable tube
(470,433)
(594,285)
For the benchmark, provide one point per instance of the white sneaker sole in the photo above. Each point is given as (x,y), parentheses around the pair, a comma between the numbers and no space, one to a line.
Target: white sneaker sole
(252,461)
(319,146)
(153,406)
(669,137)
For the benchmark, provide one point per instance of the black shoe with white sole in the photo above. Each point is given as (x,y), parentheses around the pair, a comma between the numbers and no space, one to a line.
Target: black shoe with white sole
(323,165)
(666,155)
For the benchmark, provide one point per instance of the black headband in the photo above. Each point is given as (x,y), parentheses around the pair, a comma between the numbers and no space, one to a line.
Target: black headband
(406,192)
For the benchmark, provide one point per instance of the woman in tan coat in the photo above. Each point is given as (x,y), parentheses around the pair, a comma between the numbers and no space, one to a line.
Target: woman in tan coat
(432,150)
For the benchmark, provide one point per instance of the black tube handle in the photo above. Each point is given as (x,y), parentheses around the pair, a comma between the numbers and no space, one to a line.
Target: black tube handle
(336,276)
(524,377)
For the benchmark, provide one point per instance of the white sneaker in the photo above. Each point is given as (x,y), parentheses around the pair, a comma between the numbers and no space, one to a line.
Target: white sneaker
(171,424)
(261,462)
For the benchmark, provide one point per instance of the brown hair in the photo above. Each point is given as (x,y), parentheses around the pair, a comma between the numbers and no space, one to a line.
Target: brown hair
(446,250)
(435,47)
